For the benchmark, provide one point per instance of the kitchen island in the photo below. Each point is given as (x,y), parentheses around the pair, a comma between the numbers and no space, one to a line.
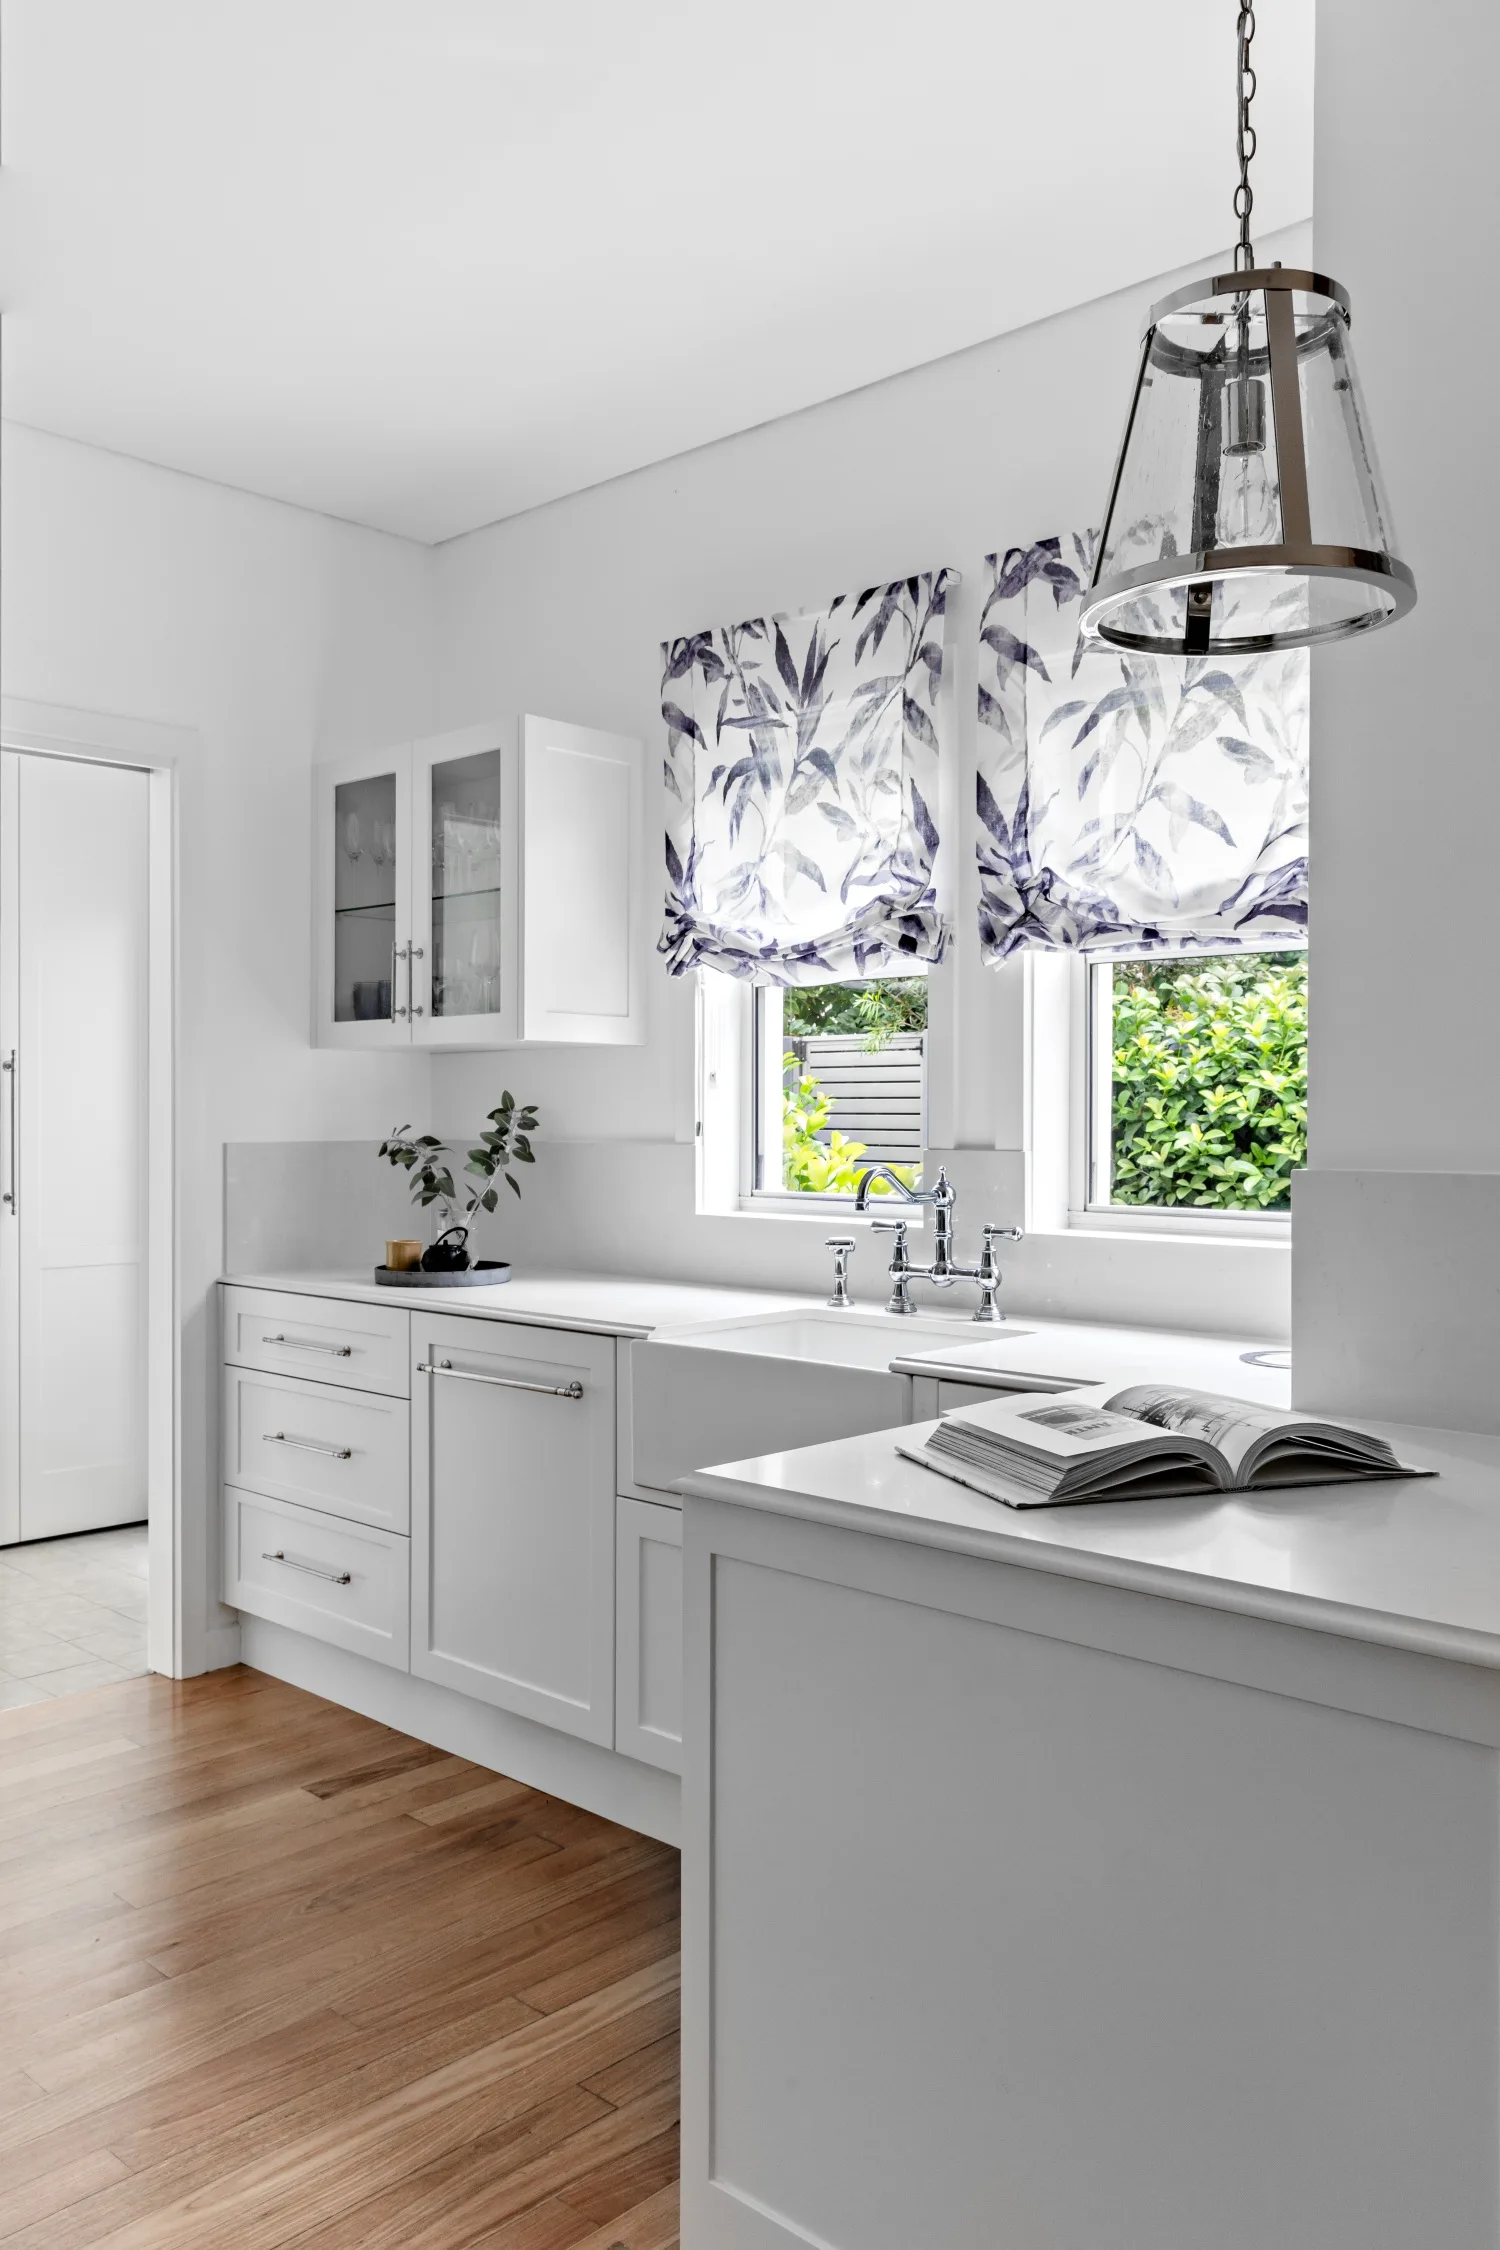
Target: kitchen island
(1102,1878)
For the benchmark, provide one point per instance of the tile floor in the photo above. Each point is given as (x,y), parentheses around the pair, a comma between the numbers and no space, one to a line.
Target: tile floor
(72,1614)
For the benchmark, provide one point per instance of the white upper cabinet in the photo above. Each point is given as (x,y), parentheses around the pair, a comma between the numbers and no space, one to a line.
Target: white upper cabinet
(484,888)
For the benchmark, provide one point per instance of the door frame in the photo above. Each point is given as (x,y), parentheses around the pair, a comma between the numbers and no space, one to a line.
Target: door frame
(160,751)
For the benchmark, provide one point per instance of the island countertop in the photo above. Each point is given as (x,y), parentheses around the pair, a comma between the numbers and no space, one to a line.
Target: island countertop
(1412,1564)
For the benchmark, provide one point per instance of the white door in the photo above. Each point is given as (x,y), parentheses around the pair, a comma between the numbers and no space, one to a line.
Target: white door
(583,884)
(73,1033)
(362,892)
(513,1518)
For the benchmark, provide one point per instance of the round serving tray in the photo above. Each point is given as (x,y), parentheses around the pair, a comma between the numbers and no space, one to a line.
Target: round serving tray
(488,1274)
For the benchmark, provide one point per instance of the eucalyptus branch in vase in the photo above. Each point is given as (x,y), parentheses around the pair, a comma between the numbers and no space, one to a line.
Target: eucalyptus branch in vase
(503,1140)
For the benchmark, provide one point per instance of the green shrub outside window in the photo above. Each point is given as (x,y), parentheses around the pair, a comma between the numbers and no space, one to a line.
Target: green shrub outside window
(817,1159)
(1209,1098)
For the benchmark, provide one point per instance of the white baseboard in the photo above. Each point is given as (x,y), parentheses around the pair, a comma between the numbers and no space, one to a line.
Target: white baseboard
(601,1781)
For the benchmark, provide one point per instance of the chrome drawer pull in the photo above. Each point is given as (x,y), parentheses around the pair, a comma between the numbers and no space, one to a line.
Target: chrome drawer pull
(499,1382)
(311,1570)
(307,1445)
(296,1344)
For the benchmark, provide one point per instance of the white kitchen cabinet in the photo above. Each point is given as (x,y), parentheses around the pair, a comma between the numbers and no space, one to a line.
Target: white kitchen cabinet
(482,888)
(648,1633)
(359,1347)
(513,1518)
(340,1582)
(344,1452)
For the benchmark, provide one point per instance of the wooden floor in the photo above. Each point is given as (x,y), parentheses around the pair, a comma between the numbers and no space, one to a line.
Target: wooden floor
(272,1975)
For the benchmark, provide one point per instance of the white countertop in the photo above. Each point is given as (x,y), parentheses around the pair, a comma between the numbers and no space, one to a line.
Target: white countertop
(1414,1564)
(607,1304)
(1022,1351)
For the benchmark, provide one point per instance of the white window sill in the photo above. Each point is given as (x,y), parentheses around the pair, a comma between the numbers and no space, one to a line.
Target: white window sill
(1247,1228)
(828,1210)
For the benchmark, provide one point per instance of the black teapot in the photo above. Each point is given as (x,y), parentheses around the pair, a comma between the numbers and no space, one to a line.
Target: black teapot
(449,1254)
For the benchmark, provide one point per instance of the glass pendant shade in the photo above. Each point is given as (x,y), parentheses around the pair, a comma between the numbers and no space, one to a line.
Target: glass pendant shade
(1247,510)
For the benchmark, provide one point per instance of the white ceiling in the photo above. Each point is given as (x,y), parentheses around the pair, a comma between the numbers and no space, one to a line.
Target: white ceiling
(424,263)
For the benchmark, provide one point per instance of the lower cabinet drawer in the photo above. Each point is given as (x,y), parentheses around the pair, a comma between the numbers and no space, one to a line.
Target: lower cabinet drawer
(648,1633)
(345,1452)
(341,1582)
(364,1347)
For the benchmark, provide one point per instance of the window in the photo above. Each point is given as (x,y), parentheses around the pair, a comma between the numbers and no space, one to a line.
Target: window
(1197,1081)
(839,1084)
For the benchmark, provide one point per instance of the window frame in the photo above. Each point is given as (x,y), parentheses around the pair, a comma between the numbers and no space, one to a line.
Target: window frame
(1092,1044)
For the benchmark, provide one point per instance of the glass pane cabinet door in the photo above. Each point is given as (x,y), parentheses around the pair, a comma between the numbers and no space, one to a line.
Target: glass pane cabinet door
(366,936)
(469,968)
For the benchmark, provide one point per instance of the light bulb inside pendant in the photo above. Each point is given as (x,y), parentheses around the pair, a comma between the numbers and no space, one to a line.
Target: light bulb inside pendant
(1248,513)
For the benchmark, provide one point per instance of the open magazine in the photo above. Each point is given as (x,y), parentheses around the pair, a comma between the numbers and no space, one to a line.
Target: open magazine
(1149,1442)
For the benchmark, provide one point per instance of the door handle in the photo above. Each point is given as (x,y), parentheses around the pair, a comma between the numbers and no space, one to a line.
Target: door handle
(334,1577)
(9,1065)
(498,1382)
(414,954)
(307,1445)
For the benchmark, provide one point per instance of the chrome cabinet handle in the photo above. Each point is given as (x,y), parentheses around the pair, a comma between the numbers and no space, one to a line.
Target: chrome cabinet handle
(334,1577)
(9,1196)
(400,953)
(413,953)
(307,1445)
(297,1344)
(499,1382)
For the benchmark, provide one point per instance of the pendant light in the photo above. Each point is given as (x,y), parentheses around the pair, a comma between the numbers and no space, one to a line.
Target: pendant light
(1247,510)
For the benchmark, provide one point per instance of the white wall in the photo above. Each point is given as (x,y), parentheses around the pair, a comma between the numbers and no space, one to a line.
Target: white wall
(278,637)
(1398,1297)
(563,610)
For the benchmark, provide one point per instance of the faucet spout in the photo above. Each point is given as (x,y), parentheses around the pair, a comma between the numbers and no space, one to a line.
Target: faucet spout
(884,1172)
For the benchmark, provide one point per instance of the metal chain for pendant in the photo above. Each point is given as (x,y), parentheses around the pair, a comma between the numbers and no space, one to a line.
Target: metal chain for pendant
(1244,196)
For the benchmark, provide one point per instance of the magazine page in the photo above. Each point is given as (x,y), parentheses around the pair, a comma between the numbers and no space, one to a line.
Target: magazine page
(1233,1426)
(1062,1429)
(1068,1447)
(1245,1433)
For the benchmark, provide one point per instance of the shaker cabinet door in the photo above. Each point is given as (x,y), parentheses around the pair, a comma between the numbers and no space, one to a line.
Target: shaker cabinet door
(648,1633)
(362,891)
(513,1508)
(466,976)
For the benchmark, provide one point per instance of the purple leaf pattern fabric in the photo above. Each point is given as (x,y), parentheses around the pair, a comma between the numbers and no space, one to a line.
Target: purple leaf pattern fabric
(802,788)
(1126,803)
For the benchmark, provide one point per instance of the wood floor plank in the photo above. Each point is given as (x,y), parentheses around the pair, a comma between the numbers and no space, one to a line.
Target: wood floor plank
(276,1977)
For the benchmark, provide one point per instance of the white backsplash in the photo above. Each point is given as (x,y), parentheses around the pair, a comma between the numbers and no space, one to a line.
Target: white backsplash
(629,1207)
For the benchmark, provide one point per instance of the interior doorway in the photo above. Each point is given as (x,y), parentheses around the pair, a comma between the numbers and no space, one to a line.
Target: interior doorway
(75,1022)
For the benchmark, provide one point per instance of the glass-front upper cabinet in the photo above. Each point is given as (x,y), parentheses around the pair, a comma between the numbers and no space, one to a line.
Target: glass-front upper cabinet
(466,971)
(483,888)
(363,842)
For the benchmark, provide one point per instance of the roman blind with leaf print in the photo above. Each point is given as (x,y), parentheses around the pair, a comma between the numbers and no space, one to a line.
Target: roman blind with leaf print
(1131,803)
(801,787)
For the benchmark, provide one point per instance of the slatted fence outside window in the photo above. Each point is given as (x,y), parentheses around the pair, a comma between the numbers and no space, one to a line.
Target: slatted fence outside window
(875,1097)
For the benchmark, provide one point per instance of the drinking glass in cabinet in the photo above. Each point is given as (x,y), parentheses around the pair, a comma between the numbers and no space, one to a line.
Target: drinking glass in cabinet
(364,901)
(466,942)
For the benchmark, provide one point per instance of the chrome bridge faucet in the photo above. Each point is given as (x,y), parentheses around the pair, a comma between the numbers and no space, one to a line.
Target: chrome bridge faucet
(944,1270)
